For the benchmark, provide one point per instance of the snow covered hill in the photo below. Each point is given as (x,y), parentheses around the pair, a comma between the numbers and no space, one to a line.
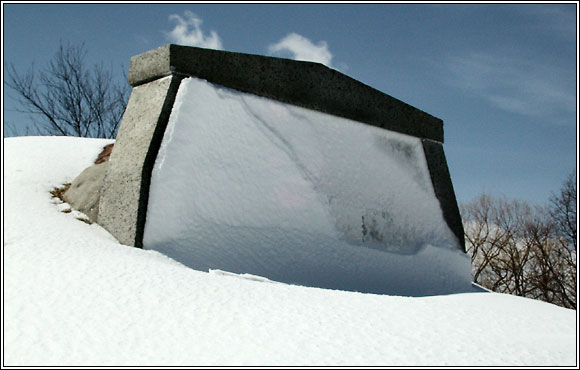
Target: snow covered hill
(72,295)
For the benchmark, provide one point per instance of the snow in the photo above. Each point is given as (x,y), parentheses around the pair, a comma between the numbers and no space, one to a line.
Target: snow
(74,296)
(251,185)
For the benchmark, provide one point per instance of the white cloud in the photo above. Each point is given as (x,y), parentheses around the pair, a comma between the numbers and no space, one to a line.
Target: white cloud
(301,48)
(188,32)
(515,84)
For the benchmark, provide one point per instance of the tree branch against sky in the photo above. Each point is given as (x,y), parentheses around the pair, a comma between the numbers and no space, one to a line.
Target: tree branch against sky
(519,249)
(67,98)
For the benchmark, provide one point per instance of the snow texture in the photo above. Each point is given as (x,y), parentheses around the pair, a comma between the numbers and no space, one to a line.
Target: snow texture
(251,185)
(74,296)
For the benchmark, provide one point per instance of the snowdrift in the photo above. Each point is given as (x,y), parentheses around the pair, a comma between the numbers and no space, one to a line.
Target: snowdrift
(251,185)
(72,295)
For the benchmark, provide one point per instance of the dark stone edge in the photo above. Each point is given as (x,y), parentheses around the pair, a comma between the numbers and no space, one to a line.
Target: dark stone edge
(151,156)
(443,187)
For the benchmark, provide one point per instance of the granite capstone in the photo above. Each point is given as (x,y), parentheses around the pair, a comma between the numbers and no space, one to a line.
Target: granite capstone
(306,84)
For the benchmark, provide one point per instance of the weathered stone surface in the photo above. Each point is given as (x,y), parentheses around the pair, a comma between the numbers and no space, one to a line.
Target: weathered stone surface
(123,204)
(85,191)
(306,84)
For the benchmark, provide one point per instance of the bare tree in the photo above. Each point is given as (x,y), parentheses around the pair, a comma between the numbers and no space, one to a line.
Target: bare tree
(493,239)
(563,210)
(484,240)
(519,249)
(67,98)
(552,268)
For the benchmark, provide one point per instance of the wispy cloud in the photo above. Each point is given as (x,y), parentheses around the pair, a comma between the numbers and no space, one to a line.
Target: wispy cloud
(301,48)
(188,32)
(515,84)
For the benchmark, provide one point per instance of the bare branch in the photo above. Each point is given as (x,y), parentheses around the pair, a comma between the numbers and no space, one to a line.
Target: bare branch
(70,99)
(524,250)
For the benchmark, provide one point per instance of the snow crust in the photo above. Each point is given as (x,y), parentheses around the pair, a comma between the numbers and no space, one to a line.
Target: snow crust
(250,185)
(73,296)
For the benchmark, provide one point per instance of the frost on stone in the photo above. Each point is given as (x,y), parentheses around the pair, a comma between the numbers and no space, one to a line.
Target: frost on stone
(249,185)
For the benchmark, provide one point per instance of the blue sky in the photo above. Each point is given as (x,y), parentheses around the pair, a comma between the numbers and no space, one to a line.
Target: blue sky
(502,77)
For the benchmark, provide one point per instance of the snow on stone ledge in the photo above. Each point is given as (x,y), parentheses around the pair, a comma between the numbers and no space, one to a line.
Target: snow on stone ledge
(250,185)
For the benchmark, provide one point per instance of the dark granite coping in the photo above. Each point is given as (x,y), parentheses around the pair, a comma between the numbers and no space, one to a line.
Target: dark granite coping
(306,84)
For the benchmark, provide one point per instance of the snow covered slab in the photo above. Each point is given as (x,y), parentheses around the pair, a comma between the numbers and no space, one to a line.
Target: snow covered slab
(247,184)
(73,296)
(156,76)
